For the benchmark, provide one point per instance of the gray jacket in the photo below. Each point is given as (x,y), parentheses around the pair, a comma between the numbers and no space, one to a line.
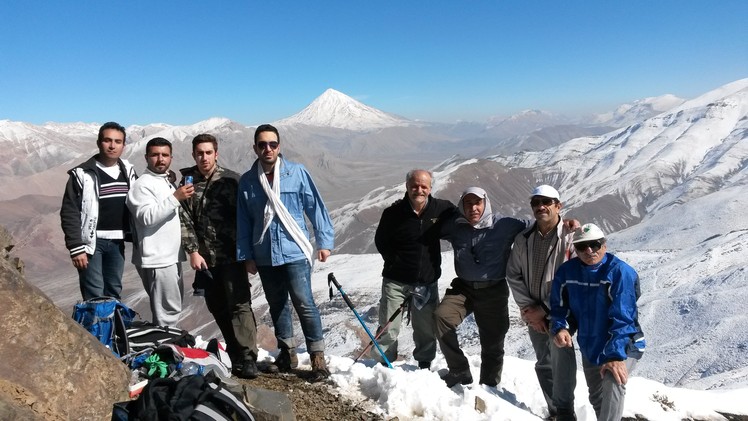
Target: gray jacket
(520,266)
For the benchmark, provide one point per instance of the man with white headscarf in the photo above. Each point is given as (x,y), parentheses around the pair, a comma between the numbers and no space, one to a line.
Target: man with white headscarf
(481,241)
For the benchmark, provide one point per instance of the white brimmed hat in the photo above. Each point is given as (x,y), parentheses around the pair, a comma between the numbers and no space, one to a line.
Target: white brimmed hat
(587,232)
(545,191)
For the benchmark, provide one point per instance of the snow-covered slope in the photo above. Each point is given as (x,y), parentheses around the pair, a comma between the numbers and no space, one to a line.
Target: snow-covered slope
(335,109)
(628,114)
(29,149)
(692,150)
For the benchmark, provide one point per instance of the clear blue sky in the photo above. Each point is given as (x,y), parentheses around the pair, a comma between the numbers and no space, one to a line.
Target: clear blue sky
(180,62)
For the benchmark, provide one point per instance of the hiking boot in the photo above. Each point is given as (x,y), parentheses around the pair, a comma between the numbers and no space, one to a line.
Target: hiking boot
(284,362)
(454,377)
(565,414)
(424,365)
(490,376)
(248,370)
(319,366)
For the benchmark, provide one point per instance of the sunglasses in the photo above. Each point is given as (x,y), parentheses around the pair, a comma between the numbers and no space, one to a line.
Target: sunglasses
(545,201)
(595,245)
(262,145)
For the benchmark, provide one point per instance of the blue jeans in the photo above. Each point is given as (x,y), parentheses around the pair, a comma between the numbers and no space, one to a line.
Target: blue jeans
(295,280)
(103,276)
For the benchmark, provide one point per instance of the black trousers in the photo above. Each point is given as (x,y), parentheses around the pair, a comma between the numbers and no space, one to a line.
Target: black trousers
(229,300)
(490,307)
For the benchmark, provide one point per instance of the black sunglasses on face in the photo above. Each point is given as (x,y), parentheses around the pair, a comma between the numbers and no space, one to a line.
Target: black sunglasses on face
(545,201)
(262,145)
(595,245)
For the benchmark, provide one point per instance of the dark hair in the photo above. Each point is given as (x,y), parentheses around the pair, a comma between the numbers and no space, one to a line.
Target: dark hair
(266,128)
(204,138)
(107,126)
(157,141)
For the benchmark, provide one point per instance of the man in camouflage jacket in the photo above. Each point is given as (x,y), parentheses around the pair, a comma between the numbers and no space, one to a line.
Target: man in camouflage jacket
(209,238)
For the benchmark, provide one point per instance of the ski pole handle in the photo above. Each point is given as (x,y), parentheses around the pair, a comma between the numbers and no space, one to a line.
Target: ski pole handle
(331,278)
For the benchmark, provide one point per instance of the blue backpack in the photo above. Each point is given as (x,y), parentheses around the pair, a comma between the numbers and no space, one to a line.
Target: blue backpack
(107,319)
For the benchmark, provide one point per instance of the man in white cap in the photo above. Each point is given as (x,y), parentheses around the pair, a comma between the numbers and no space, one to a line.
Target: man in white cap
(599,291)
(481,241)
(537,253)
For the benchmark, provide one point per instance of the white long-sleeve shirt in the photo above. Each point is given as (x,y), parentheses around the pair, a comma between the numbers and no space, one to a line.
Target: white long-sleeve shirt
(155,212)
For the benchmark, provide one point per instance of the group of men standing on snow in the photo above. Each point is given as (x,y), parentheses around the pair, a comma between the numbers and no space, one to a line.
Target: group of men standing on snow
(227,226)
(560,275)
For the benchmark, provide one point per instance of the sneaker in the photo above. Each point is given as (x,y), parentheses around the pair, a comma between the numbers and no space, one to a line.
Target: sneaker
(319,366)
(285,361)
(424,365)
(454,377)
(248,370)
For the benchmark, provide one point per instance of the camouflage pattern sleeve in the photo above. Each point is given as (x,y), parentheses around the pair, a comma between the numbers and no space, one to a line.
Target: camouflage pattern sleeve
(189,237)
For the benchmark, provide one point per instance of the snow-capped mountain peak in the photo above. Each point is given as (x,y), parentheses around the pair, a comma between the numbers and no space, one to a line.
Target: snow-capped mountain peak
(335,109)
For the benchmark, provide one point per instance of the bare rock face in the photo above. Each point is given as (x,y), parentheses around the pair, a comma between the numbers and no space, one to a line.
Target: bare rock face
(50,367)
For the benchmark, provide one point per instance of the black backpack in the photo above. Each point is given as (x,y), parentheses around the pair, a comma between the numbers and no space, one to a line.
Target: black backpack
(144,335)
(189,398)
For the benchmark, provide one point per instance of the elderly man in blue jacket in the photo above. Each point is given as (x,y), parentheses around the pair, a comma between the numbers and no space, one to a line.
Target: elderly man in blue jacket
(598,291)
(272,239)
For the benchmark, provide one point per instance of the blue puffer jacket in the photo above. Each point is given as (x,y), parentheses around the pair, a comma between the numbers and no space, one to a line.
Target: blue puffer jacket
(601,299)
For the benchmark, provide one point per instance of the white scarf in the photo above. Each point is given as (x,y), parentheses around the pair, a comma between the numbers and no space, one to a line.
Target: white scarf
(274,207)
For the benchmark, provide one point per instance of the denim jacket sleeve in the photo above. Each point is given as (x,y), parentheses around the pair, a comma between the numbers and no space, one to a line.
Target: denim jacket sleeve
(315,210)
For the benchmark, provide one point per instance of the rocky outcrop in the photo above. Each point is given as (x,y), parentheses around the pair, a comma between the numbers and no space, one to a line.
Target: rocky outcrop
(50,367)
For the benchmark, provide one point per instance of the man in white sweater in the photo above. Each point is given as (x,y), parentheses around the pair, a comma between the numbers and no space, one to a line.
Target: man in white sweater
(154,205)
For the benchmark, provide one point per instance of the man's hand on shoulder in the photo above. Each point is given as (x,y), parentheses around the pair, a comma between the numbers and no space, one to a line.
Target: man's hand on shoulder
(571,225)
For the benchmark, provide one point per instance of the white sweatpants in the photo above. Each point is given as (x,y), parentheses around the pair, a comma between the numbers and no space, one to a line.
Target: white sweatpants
(166,291)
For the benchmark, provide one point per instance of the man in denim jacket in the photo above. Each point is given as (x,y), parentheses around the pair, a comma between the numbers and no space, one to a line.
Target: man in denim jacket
(272,239)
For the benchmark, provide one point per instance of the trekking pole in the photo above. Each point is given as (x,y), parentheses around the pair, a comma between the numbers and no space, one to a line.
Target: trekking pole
(384,328)
(331,280)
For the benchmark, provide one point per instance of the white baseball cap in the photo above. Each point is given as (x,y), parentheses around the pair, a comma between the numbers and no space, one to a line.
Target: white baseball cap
(587,232)
(545,191)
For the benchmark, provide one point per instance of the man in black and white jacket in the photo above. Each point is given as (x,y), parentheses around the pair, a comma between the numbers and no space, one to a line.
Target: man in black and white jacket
(94,217)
